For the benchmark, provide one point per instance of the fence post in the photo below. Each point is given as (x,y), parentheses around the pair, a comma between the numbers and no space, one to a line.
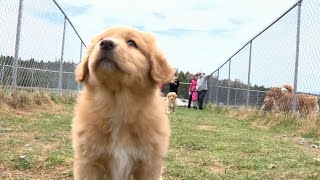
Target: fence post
(80,62)
(294,101)
(17,46)
(235,97)
(229,82)
(62,53)
(217,91)
(208,98)
(249,71)
(257,98)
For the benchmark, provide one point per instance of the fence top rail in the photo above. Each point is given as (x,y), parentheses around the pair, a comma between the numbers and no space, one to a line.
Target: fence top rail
(254,37)
(241,89)
(65,15)
(226,87)
(35,69)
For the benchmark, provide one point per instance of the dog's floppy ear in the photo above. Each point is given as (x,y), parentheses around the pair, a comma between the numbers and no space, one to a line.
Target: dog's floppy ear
(283,89)
(161,71)
(82,69)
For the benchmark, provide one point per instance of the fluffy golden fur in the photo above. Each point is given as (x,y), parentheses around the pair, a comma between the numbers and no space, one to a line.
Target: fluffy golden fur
(171,102)
(267,104)
(282,101)
(115,132)
(268,100)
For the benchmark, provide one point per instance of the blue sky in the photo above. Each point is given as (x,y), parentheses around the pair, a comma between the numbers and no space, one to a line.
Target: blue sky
(195,35)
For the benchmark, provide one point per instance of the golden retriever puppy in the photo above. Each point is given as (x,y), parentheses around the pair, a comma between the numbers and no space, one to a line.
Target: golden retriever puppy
(116,133)
(282,101)
(287,88)
(267,104)
(268,100)
(171,102)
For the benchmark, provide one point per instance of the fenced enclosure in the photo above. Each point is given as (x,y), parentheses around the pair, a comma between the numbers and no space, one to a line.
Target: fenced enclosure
(39,46)
(285,52)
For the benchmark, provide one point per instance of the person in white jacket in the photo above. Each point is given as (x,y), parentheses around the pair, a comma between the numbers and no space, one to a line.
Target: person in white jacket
(202,87)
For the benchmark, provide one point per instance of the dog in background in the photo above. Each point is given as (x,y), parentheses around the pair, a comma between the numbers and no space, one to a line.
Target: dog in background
(268,100)
(282,101)
(171,102)
(118,130)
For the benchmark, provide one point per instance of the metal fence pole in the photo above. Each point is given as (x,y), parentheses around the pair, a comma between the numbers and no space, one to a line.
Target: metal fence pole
(209,89)
(79,62)
(229,82)
(249,71)
(62,53)
(217,91)
(257,98)
(17,46)
(294,101)
(235,97)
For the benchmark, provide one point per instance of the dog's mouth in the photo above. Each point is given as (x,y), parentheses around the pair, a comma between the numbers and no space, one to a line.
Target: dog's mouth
(108,63)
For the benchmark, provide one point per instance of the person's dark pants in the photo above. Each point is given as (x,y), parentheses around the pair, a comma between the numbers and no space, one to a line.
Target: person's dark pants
(201,95)
(190,98)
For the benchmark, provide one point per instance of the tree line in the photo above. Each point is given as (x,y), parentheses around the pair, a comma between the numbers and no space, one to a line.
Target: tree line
(186,77)
(37,73)
(45,74)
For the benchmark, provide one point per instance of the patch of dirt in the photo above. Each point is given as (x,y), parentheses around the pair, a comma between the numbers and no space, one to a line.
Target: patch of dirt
(61,172)
(29,112)
(257,125)
(312,149)
(205,127)
(218,168)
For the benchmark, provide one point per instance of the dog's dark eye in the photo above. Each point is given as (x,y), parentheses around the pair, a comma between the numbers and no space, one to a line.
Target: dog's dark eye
(132,43)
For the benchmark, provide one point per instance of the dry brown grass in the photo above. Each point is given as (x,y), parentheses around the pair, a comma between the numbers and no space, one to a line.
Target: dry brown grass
(301,124)
(21,101)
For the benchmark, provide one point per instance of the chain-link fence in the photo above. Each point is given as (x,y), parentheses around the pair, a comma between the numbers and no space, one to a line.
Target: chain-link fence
(285,52)
(39,46)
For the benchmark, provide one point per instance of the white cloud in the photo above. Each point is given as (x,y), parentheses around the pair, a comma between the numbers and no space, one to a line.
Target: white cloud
(214,29)
(195,35)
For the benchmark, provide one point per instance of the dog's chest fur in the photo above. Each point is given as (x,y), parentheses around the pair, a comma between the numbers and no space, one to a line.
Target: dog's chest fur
(123,158)
(125,149)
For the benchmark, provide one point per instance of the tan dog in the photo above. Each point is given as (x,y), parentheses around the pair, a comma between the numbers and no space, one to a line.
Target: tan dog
(267,104)
(282,100)
(171,102)
(115,132)
(268,100)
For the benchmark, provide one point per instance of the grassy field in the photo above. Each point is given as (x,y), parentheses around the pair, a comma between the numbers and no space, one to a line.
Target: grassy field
(209,144)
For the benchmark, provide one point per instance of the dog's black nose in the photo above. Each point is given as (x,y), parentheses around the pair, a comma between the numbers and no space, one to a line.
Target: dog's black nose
(107,44)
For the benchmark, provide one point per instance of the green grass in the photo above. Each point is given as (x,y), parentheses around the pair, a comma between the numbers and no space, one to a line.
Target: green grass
(42,139)
(209,145)
(204,144)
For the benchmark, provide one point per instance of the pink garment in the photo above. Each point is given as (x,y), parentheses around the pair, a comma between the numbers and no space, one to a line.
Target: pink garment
(193,85)
(194,96)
